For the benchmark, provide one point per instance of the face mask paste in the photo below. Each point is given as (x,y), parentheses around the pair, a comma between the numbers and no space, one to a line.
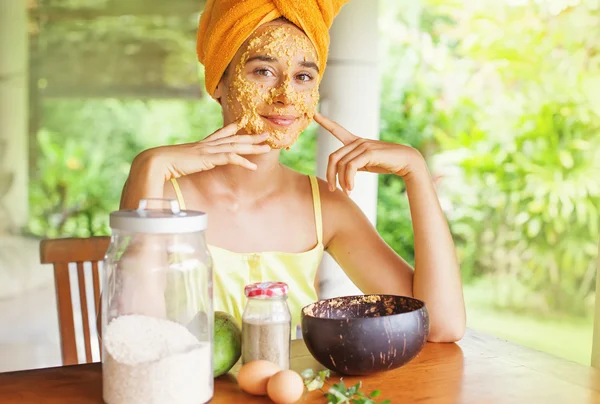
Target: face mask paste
(248,99)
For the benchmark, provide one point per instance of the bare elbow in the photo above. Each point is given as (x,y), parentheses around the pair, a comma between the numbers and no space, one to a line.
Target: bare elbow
(452,332)
(446,337)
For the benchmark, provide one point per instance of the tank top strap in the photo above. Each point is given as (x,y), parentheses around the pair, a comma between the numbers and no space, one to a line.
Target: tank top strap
(178,193)
(314,183)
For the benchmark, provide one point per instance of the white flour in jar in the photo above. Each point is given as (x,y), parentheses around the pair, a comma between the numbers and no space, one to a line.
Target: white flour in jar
(150,360)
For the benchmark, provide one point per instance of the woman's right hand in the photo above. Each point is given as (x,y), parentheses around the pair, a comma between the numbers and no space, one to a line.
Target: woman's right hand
(223,147)
(152,168)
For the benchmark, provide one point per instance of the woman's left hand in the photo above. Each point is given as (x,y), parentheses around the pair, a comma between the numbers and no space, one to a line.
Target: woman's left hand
(359,154)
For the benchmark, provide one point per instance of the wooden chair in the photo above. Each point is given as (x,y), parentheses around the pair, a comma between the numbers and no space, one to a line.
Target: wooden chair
(61,252)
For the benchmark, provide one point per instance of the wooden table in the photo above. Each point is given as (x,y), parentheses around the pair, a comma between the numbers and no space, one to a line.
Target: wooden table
(479,369)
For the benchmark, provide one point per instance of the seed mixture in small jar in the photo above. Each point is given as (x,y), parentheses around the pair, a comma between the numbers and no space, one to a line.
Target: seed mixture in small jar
(266,324)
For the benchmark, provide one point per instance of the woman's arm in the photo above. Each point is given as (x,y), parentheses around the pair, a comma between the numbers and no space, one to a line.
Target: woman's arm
(437,274)
(375,268)
(146,180)
(369,262)
(152,168)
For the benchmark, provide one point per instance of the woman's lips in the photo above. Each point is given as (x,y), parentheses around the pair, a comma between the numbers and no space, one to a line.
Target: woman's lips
(280,120)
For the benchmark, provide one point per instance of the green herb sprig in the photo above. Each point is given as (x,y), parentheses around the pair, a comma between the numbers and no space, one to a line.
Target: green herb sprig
(312,381)
(339,393)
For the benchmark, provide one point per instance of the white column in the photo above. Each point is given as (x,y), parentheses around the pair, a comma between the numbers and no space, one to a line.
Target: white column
(350,96)
(13,113)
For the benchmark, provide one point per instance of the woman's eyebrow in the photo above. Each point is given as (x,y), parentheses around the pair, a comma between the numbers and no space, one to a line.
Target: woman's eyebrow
(271,59)
(262,58)
(309,65)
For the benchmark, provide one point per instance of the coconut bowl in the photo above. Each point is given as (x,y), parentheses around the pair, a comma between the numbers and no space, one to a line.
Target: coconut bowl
(361,335)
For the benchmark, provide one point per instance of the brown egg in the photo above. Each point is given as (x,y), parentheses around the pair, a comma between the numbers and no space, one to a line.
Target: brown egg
(253,376)
(285,387)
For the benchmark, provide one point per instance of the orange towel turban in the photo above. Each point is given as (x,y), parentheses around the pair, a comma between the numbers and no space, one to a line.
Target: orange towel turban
(226,24)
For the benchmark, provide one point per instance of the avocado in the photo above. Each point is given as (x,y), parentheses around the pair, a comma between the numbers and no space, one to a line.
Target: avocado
(227,343)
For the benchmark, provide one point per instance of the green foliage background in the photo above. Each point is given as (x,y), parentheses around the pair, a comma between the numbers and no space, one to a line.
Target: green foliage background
(503,99)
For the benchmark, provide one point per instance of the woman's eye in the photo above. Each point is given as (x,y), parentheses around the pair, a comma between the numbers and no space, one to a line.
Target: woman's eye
(304,77)
(264,72)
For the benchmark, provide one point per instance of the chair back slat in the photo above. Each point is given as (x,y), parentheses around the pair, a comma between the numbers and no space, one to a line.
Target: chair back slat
(60,253)
(96,282)
(66,324)
(97,299)
(84,312)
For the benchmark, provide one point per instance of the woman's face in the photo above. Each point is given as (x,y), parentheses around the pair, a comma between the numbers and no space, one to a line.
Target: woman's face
(272,84)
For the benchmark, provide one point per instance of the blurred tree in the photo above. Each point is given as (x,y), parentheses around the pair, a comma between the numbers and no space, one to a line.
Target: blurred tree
(507,99)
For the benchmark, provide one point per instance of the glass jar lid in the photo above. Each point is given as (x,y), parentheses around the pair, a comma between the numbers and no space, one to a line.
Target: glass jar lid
(158,221)
(266,289)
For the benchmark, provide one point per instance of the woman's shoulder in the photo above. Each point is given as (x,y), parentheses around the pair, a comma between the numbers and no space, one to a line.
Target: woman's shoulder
(329,198)
(326,196)
(188,186)
(338,211)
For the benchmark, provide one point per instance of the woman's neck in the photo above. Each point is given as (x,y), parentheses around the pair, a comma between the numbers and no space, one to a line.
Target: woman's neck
(242,183)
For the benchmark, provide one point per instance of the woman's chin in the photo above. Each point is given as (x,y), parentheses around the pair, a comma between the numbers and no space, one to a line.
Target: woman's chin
(277,142)
(284,138)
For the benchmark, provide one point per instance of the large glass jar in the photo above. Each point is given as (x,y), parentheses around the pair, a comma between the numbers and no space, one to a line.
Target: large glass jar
(157,310)
(266,324)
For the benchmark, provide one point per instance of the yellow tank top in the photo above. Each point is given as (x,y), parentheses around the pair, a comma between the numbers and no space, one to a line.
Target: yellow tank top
(232,271)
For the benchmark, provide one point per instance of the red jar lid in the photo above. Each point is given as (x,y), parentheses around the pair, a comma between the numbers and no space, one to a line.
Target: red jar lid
(270,289)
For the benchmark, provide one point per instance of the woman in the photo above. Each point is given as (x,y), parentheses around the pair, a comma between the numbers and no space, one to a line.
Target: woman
(263,62)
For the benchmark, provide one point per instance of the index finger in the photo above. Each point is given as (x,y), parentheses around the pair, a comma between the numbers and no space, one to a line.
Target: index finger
(227,130)
(335,129)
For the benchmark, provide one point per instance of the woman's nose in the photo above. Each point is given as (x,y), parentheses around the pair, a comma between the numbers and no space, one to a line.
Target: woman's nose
(282,93)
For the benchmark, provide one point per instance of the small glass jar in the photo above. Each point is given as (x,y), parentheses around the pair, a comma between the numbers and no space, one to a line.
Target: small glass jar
(157,312)
(266,324)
